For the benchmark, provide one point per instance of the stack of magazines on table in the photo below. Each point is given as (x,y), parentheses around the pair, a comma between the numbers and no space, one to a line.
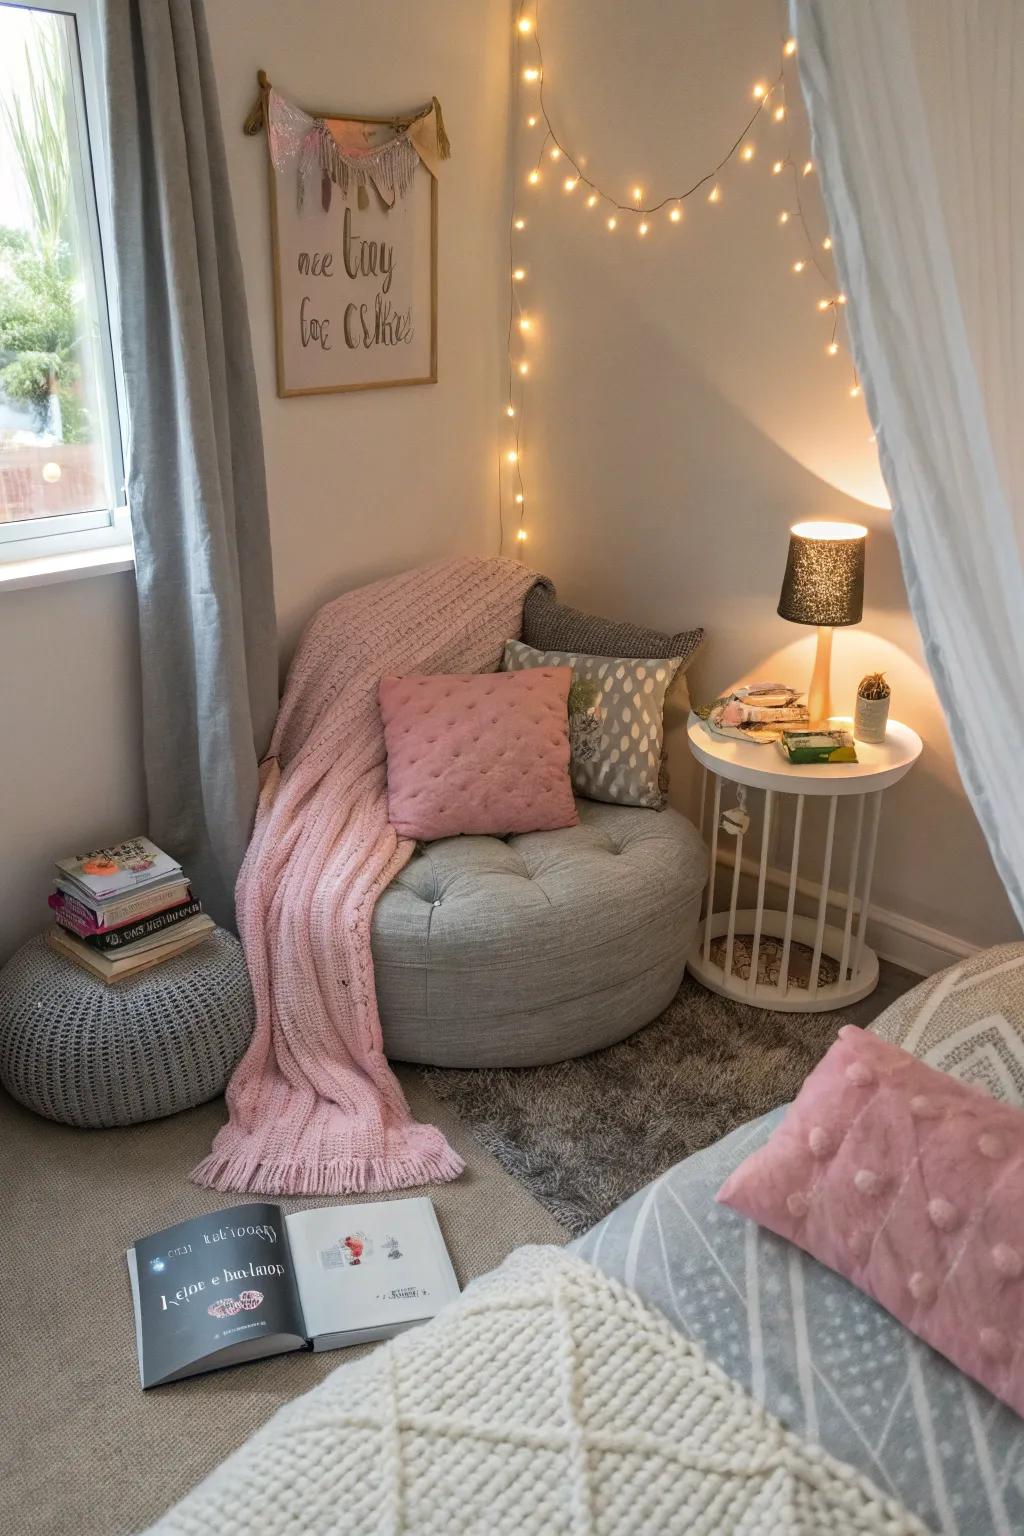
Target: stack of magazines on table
(767,712)
(124,909)
(757,712)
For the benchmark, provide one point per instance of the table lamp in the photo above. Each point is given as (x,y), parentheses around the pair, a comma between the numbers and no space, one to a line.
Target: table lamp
(824,586)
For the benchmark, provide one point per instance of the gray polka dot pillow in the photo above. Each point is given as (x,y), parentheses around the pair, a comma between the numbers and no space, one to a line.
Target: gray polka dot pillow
(616,731)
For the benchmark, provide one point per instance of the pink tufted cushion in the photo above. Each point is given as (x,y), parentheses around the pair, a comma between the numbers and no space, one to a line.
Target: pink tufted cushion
(911,1184)
(484,753)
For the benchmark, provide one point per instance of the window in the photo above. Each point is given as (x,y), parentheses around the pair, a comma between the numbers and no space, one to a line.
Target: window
(61,471)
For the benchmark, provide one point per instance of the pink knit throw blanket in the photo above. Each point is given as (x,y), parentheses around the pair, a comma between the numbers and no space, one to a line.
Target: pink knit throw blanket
(314,1107)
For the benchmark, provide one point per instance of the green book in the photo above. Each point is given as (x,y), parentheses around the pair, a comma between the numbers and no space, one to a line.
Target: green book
(818,747)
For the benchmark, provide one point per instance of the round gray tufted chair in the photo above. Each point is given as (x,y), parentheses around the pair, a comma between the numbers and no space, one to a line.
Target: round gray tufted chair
(492,952)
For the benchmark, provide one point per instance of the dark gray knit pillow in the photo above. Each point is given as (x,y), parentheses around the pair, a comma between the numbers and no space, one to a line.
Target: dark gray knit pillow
(549,625)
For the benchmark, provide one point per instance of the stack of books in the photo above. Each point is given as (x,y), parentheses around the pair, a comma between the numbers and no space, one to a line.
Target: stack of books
(124,909)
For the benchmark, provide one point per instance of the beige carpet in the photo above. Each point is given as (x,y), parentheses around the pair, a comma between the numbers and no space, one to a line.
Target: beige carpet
(83,1451)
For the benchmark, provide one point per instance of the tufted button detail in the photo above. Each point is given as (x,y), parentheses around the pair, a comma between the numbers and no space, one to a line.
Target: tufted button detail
(943,1214)
(922,1288)
(867,1182)
(924,1108)
(1008,1261)
(992,1145)
(859,1243)
(821,1141)
(859,1074)
(994,1343)
(797,1204)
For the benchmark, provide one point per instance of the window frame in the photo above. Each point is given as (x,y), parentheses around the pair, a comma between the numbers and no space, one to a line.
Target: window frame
(76,533)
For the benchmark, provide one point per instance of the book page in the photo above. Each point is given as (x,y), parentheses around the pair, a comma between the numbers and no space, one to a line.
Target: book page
(215,1289)
(370,1267)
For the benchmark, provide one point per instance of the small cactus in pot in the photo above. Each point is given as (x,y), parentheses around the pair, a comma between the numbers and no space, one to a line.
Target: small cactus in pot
(872,712)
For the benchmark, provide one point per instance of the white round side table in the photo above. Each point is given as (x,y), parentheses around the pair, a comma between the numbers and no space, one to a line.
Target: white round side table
(763,768)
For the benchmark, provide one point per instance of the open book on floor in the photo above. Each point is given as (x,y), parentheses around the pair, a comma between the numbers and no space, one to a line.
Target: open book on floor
(252,1281)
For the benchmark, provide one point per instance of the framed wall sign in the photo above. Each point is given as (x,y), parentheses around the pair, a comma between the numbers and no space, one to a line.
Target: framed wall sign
(353,220)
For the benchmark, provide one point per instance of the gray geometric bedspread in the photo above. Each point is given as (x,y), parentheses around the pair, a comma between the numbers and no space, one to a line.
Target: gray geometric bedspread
(818,1353)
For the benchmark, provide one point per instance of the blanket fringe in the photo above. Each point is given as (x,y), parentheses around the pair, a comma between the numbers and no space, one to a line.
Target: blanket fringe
(340,1176)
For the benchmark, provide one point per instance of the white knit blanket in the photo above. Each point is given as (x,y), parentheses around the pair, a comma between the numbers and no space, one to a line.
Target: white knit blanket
(549,1399)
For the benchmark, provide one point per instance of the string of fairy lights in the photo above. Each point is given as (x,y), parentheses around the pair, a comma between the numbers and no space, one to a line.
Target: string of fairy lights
(556,159)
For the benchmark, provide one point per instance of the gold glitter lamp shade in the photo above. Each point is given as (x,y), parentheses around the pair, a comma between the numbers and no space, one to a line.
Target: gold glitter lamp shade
(823,586)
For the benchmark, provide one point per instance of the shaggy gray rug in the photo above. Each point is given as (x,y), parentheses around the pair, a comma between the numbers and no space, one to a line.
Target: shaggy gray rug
(583,1135)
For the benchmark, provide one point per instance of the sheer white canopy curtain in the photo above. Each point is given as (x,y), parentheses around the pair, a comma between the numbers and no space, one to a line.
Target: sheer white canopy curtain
(917,117)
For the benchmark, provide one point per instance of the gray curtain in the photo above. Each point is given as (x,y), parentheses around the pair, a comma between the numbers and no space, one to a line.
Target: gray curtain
(196,483)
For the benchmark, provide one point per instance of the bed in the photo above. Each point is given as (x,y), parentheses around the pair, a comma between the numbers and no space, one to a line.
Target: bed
(815,1351)
(864,1429)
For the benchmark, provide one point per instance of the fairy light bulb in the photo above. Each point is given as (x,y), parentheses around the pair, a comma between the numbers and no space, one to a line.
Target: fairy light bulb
(510,410)
(592,200)
(519,498)
(525,325)
(826,244)
(747,152)
(779,114)
(570,183)
(520,223)
(519,273)
(533,178)
(643,227)
(638,193)
(778,167)
(832,348)
(525,25)
(783,217)
(790,47)
(854,391)
(675,214)
(555,152)
(524,369)
(808,167)
(612,222)
(715,195)
(521,535)
(840,298)
(760,91)
(531,73)
(824,304)
(798,266)
(531,122)
(512,456)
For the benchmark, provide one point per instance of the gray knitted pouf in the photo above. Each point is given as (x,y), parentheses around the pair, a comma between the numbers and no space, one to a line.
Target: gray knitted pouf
(75,1050)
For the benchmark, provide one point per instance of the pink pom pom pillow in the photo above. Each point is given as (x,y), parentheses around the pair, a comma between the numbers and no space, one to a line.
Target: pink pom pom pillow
(911,1185)
(485,753)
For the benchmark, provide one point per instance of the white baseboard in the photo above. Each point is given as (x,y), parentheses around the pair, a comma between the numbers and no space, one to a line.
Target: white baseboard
(893,937)
(917,946)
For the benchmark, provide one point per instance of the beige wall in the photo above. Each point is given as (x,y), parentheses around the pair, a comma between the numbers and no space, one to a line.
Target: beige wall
(70,763)
(367,483)
(682,411)
(360,484)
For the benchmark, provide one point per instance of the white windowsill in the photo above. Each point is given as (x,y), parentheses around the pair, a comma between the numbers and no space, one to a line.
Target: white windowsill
(15,574)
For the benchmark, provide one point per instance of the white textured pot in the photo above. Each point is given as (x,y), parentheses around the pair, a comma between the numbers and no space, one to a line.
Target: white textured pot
(870,719)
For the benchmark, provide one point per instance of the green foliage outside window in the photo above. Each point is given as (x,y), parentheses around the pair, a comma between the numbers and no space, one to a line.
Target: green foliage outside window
(40,311)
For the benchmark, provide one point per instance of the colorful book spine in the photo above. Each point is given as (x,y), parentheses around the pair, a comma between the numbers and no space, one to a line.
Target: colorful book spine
(109,915)
(128,933)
